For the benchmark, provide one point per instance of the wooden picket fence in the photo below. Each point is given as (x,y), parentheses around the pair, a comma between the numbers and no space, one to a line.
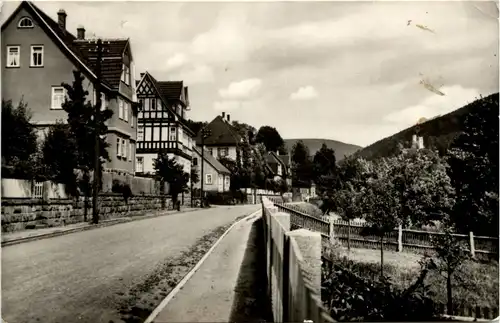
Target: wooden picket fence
(407,240)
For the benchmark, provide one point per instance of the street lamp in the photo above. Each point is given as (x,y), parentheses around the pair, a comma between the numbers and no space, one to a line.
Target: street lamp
(205,133)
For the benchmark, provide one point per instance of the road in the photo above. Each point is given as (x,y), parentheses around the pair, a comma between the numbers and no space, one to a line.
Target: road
(78,277)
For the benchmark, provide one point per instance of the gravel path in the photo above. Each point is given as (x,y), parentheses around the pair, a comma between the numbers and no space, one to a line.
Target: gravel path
(80,277)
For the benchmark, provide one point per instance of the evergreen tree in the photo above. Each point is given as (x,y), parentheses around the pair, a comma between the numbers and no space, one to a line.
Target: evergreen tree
(473,160)
(301,166)
(19,142)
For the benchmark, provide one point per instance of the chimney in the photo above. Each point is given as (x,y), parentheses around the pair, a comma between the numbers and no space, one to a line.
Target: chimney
(186,95)
(223,115)
(228,118)
(61,19)
(80,32)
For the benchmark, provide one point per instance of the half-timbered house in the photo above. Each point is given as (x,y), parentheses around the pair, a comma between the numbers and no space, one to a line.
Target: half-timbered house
(163,109)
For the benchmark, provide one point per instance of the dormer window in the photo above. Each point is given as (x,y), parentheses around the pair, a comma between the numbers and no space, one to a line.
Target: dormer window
(126,74)
(25,22)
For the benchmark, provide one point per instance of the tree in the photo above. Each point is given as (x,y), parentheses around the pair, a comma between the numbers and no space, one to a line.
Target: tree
(258,166)
(19,142)
(83,128)
(195,126)
(451,252)
(60,157)
(244,130)
(347,192)
(324,169)
(473,160)
(411,188)
(167,170)
(270,137)
(301,165)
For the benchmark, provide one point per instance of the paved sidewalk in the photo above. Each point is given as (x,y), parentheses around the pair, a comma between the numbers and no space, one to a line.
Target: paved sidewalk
(9,238)
(221,286)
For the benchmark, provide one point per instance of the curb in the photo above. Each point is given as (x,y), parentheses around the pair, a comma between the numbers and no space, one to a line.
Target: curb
(184,280)
(89,227)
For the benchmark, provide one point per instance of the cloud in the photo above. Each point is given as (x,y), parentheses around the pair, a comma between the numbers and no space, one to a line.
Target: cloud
(434,105)
(241,90)
(176,61)
(304,93)
(197,74)
(227,105)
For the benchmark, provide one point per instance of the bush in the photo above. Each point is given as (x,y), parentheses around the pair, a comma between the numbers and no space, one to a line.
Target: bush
(218,198)
(122,188)
(350,296)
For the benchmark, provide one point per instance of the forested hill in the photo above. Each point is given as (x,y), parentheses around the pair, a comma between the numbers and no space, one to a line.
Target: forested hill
(438,133)
(341,149)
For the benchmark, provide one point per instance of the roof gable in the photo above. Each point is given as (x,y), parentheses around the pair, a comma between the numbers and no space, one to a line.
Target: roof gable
(65,40)
(217,165)
(221,133)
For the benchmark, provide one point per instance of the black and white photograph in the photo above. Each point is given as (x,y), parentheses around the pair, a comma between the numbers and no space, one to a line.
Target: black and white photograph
(249,161)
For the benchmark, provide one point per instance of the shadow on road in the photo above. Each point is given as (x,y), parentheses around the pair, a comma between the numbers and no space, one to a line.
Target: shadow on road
(251,303)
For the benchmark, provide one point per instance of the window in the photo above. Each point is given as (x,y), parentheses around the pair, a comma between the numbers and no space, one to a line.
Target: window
(210,151)
(140,134)
(129,151)
(195,161)
(120,108)
(147,135)
(208,179)
(153,104)
(25,22)
(164,134)
(140,164)
(126,74)
(36,56)
(124,149)
(132,120)
(156,133)
(146,104)
(118,147)
(173,136)
(58,95)
(125,112)
(222,152)
(13,53)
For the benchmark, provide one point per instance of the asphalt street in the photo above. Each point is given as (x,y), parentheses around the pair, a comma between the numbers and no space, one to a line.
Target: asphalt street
(77,277)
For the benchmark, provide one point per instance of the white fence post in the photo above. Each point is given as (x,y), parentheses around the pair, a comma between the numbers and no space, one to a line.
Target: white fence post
(332,232)
(400,238)
(471,244)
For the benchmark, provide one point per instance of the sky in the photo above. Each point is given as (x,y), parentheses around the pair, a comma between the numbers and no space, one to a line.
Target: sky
(351,71)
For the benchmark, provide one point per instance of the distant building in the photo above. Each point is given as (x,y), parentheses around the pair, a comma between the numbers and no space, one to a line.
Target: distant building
(161,123)
(223,139)
(216,176)
(40,54)
(280,166)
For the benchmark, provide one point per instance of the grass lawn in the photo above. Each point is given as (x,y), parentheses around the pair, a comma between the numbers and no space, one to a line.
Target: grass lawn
(474,284)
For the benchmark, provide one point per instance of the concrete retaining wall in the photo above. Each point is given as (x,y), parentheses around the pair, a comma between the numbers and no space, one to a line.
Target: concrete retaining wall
(293,269)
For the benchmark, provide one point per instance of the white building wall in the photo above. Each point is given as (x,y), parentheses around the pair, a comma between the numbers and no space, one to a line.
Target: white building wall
(149,162)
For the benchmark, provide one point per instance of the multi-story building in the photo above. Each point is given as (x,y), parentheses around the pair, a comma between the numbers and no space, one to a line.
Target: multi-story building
(279,166)
(163,109)
(39,54)
(223,139)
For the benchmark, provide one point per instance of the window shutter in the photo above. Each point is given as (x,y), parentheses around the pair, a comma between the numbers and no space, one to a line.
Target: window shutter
(118,147)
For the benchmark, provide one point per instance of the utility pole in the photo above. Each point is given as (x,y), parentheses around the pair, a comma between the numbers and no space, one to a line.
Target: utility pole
(97,112)
(205,133)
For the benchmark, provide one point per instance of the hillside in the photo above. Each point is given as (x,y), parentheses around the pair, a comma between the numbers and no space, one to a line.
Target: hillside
(437,133)
(341,149)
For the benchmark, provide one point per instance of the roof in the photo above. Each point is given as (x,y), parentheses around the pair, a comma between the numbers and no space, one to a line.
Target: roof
(212,161)
(79,51)
(221,134)
(163,98)
(171,90)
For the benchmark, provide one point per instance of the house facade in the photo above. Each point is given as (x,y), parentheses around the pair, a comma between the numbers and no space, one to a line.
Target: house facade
(216,176)
(223,139)
(280,166)
(39,54)
(163,108)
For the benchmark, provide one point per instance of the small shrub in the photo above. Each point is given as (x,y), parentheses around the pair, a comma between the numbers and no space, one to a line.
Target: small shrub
(122,188)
